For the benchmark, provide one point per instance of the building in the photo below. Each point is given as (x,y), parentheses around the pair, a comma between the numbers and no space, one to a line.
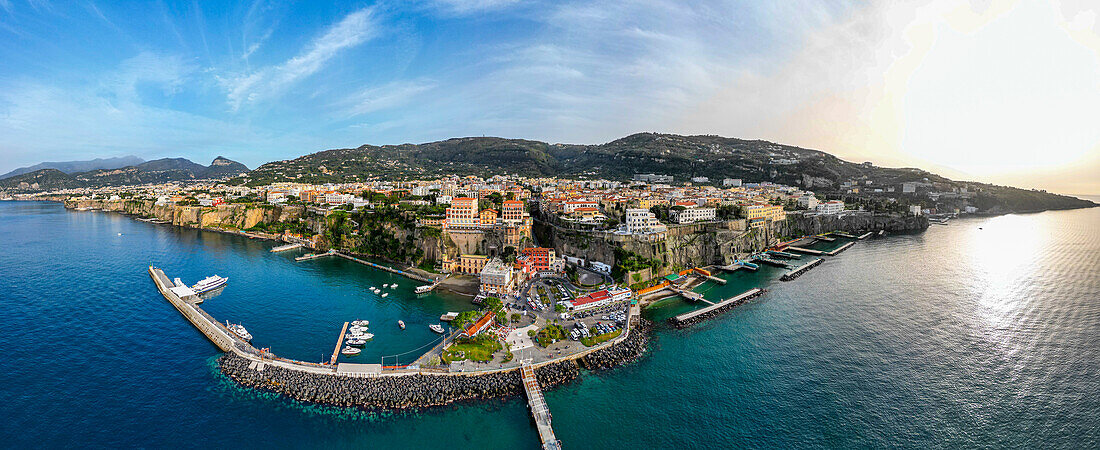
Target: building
(487,218)
(539,259)
(496,277)
(512,211)
(831,207)
(653,178)
(758,215)
(571,206)
(462,213)
(700,179)
(808,201)
(693,214)
(588,215)
(480,325)
(915,209)
(471,264)
(598,299)
(731,182)
(908,188)
(600,267)
(642,221)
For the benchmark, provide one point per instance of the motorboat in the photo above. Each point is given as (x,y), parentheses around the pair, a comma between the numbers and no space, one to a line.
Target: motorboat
(385,286)
(356,342)
(363,336)
(209,283)
(393,286)
(401,323)
(239,330)
(424,289)
(385,294)
(436,328)
(360,323)
(350,351)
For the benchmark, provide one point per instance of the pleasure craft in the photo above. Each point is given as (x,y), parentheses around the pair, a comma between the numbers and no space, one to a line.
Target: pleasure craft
(209,283)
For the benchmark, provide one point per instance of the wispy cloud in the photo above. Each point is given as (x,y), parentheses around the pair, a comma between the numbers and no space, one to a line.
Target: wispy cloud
(353,30)
(471,6)
(387,96)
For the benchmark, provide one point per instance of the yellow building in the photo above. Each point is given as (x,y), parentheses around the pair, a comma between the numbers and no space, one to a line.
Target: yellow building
(758,215)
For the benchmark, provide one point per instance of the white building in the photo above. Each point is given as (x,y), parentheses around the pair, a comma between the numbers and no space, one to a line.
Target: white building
(601,267)
(914,209)
(808,201)
(692,215)
(731,182)
(641,221)
(831,207)
(700,179)
(496,277)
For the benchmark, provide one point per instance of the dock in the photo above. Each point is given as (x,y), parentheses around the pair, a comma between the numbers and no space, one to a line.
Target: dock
(315,255)
(795,273)
(808,251)
(283,248)
(784,254)
(339,344)
(448,317)
(774,262)
(716,279)
(540,412)
(841,248)
(864,235)
(822,237)
(693,317)
(844,235)
(386,268)
(689,295)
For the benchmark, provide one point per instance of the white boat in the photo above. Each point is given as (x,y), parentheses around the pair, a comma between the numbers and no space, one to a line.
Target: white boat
(384,295)
(356,342)
(350,351)
(424,289)
(209,283)
(401,323)
(393,286)
(178,282)
(436,328)
(363,336)
(360,323)
(239,330)
(448,317)
(385,286)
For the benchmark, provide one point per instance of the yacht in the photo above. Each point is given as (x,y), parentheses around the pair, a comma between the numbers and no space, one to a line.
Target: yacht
(436,328)
(239,330)
(401,323)
(209,283)
(360,323)
(424,289)
(356,342)
(363,336)
(350,351)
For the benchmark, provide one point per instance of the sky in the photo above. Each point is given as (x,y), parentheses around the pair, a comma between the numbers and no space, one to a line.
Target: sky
(997,91)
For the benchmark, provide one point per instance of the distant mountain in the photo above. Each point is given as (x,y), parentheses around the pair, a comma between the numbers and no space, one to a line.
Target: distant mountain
(684,157)
(78,166)
(156,171)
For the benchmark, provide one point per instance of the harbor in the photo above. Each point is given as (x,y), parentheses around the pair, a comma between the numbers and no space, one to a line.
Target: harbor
(693,317)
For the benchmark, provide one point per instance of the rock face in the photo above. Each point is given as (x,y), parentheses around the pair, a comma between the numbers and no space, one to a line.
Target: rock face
(239,216)
(852,223)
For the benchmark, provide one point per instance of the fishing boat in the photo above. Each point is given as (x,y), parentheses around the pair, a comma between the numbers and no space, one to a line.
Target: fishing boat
(356,342)
(401,323)
(209,283)
(350,351)
(436,328)
(239,330)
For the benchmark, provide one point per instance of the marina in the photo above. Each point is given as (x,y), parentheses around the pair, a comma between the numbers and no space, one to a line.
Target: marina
(795,273)
(693,317)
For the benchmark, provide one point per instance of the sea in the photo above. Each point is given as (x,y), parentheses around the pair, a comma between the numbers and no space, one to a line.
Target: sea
(984,332)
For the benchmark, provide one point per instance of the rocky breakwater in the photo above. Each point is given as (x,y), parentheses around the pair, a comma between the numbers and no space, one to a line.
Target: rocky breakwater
(621,352)
(390,391)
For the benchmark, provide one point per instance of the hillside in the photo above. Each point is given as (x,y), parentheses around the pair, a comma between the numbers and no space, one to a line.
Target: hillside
(156,171)
(684,157)
(77,166)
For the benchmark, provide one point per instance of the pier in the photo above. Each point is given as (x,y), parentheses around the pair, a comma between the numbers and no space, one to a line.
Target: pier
(315,255)
(774,262)
(822,237)
(386,268)
(808,251)
(799,271)
(841,248)
(540,412)
(693,317)
(283,248)
(843,234)
(864,235)
(339,344)
(784,254)
(689,295)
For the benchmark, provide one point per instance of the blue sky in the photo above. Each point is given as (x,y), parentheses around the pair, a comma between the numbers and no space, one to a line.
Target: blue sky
(262,81)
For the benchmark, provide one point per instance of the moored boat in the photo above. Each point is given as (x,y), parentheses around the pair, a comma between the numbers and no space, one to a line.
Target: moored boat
(209,283)
(350,351)
(385,294)
(239,330)
(356,342)
(436,328)
(401,323)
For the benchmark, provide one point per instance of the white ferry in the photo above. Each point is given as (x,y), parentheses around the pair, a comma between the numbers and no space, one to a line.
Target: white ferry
(209,283)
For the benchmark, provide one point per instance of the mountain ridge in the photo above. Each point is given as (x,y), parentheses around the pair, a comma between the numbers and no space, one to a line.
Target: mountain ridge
(71,167)
(155,171)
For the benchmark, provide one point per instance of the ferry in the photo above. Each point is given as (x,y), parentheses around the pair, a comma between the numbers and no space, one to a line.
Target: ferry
(401,323)
(209,283)
(350,351)
(239,330)
(436,328)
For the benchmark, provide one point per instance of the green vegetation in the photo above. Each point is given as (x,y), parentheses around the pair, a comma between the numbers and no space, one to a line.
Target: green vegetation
(549,334)
(596,340)
(479,348)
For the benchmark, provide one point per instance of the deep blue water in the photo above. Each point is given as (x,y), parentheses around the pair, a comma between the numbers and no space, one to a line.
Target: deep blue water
(955,337)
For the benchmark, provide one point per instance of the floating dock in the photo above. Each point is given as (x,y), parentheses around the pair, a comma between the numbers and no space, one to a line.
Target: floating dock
(864,235)
(339,344)
(799,271)
(699,315)
(844,235)
(841,248)
(283,248)
(540,412)
(808,251)
(689,295)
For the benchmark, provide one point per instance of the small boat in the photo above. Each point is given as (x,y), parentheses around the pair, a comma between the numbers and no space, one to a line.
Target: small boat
(209,283)
(120,234)
(401,323)
(385,286)
(360,323)
(393,286)
(239,330)
(350,351)
(356,342)
(363,336)
(385,294)
(436,328)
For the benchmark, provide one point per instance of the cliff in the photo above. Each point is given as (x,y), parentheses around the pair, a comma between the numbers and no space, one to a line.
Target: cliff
(237,216)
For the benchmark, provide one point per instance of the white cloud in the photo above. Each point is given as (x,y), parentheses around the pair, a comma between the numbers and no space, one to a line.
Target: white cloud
(353,30)
(471,6)
(387,96)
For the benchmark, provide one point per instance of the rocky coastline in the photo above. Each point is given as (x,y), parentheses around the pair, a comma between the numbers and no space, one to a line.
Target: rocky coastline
(424,390)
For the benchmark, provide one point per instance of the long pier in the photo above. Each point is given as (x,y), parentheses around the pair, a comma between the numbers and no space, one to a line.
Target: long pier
(841,248)
(843,234)
(799,271)
(315,255)
(693,317)
(864,235)
(808,251)
(339,344)
(283,248)
(539,410)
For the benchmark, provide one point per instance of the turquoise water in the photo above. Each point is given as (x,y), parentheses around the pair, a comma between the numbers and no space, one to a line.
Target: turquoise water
(956,337)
